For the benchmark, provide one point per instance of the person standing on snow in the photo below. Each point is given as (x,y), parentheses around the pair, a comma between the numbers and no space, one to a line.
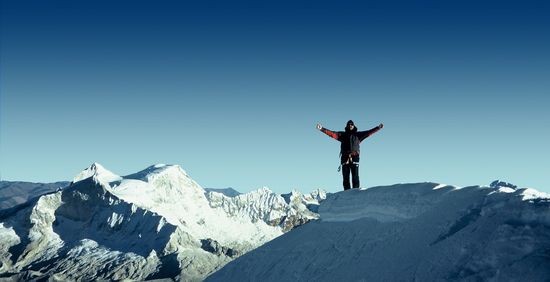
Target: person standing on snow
(349,149)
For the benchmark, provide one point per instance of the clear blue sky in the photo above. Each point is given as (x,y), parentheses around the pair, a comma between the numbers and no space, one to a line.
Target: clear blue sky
(231,91)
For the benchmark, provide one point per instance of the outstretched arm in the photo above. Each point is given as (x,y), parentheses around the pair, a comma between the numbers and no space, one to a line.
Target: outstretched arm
(365,134)
(335,135)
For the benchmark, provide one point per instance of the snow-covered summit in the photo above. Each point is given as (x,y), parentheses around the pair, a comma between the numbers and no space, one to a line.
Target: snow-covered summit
(411,232)
(316,195)
(385,204)
(98,172)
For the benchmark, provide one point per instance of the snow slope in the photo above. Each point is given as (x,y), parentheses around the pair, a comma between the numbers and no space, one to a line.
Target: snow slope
(157,223)
(406,232)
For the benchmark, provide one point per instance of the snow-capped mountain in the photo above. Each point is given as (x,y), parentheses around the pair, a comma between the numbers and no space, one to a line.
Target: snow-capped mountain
(157,223)
(286,211)
(411,232)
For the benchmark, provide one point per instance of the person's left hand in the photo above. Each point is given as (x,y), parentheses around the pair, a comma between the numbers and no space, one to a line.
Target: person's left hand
(319,126)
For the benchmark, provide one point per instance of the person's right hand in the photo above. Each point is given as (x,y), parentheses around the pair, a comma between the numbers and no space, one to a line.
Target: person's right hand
(319,126)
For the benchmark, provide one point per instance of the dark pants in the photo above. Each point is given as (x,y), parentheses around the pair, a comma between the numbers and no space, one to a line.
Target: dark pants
(354,169)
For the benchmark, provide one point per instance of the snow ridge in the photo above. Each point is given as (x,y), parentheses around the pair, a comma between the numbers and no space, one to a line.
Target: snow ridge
(406,232)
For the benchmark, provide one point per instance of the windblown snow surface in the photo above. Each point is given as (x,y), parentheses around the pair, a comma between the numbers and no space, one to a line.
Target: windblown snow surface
(411,232)
(157,223)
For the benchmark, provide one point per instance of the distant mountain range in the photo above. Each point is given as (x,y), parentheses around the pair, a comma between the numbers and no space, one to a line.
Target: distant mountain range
(13,193)
(156,223)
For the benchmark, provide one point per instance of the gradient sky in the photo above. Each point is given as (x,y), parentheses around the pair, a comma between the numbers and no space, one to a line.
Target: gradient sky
(231,91)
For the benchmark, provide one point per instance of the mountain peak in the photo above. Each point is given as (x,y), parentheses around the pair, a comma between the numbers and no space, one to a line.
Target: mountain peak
(99,172)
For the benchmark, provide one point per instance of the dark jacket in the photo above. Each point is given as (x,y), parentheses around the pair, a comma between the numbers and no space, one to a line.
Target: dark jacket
(350,141)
